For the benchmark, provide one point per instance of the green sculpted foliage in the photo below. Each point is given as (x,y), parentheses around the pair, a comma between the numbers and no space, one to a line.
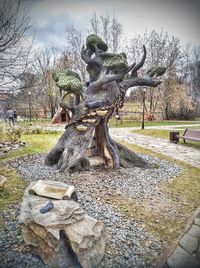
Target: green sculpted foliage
(72,73)
(67,72)
(114,61)
(157,71)
(94,39)
(68,81)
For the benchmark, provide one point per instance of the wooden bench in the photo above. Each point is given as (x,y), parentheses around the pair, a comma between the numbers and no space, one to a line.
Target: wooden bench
(190,134)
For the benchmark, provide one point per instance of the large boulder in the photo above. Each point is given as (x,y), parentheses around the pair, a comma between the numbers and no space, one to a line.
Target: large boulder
(64,236)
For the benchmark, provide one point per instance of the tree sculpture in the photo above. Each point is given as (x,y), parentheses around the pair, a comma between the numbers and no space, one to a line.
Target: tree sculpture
(87,133)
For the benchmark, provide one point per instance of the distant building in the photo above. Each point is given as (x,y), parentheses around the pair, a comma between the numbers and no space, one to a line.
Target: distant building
(61,116)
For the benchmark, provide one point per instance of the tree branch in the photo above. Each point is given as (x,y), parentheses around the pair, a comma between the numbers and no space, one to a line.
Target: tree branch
(137,81)
(140,64)
(104,79)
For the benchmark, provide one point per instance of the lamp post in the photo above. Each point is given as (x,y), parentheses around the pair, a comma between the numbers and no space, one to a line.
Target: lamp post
(143,102)
(29,103)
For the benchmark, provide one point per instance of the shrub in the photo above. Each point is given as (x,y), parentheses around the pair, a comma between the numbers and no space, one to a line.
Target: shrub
(1,132)
(32,130)
(13,133)
(185,112)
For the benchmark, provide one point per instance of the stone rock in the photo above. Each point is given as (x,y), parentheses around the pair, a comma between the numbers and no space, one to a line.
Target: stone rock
(190,243)
(64,236)
(195,231)
(96,161)
(182,259)
(22,143)
(197,221)
(2,180)
(6,149)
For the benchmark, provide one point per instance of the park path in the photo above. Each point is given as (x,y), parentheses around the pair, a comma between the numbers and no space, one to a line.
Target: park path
(180,152)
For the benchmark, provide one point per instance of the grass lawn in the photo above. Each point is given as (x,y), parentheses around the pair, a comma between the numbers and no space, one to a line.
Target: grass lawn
(164,134)
(13,190)
(131,123)
(183,193)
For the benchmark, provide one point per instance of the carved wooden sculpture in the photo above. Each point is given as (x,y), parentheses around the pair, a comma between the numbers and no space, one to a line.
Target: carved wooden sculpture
(87,134)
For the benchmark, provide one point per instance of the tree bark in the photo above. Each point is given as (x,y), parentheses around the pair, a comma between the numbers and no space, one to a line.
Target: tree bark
(70,153)
(74,149)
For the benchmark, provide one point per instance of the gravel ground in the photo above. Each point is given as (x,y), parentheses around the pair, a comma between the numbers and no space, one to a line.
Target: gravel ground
(129,243)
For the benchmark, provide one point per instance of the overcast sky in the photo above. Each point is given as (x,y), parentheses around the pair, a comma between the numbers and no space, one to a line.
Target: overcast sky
(180,18)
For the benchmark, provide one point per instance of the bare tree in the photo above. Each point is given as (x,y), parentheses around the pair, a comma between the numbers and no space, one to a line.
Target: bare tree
(45,63)
(190,74)
(14,51)
(29,85)
(109,29)
(43,66)
(106,27)
(74,39)
(162,50)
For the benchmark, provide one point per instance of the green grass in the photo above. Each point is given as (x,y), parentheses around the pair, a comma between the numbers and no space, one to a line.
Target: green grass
(164,134)
(13,190)
(35,122)
(157,133)
(37,143)
(193,127)
(131,123)
(182,192)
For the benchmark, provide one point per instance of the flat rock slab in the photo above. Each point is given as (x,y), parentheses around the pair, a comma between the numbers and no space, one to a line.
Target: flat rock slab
(194,231)
(52,189)
(96,161)
(197,221)
(190,243)
(182,259)
(186,253)
(64,236)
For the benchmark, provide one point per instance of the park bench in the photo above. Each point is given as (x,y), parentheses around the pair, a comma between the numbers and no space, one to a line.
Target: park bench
(190,134)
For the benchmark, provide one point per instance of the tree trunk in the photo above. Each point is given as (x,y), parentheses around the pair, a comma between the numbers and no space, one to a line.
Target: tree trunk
(70,153)
(74,148)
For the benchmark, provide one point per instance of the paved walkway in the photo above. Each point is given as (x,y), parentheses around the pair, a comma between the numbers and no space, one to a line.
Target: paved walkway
(177,151)
(186,252)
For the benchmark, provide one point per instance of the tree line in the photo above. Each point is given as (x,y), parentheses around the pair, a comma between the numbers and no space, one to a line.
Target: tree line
(24,69)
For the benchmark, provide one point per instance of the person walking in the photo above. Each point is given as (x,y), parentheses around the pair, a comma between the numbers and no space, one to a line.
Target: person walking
(15,116)
(10,116)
